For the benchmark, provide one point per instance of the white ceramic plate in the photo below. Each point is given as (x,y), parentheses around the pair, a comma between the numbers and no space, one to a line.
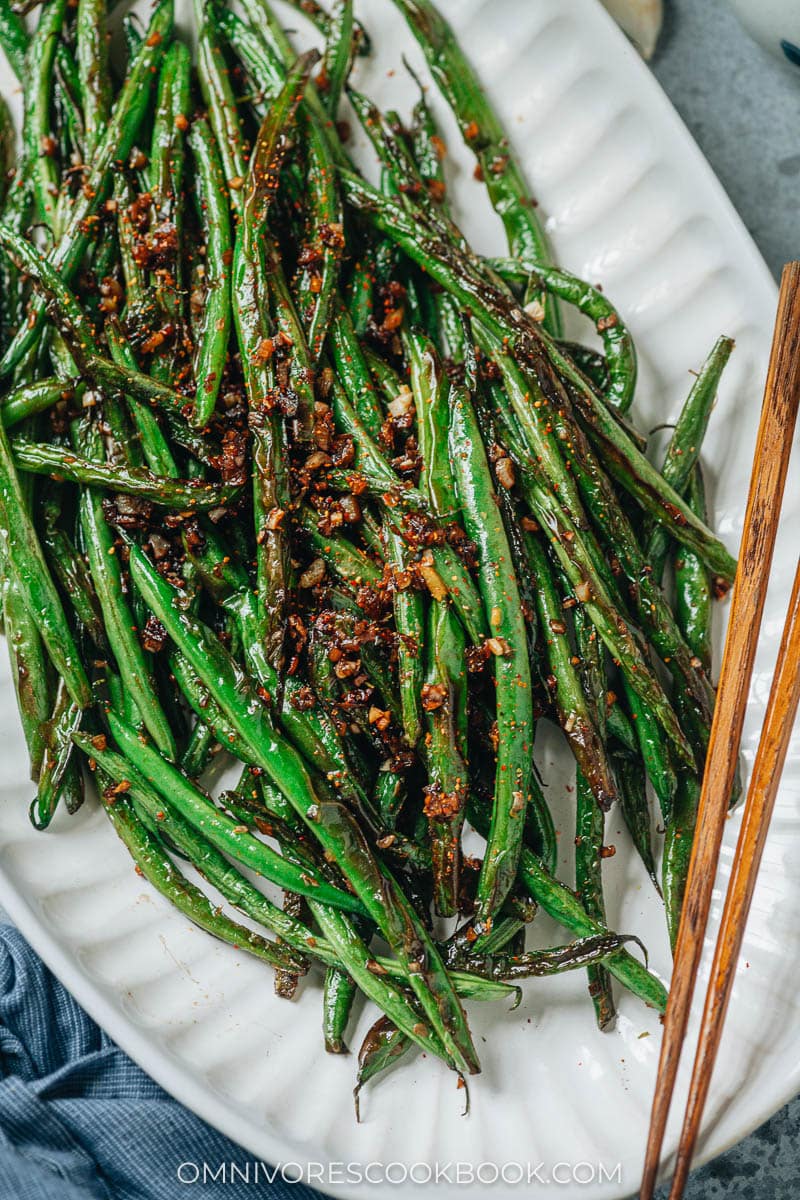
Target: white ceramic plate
(631,204)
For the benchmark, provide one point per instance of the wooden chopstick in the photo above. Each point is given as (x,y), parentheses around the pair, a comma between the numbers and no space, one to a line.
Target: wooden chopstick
(770,464)
(770,756)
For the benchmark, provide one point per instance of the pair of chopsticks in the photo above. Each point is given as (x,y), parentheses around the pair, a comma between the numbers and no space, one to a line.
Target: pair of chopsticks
(770,465)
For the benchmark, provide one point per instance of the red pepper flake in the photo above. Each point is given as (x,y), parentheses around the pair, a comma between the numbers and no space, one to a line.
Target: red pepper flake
(437,189)
(608,322)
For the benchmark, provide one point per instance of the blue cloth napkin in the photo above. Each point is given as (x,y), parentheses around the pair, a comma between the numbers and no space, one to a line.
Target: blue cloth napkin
(80,1121)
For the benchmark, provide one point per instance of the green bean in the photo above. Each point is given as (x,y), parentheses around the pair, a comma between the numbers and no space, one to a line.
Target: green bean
(367,972)
(194,564)
(383,1046)
(270,482)
(431,391)
(7,150)
(155,447)
(68,120)
(590,822)
(215,329)
(646,597)
(16,214)
(69,568)
(439,258)
(409,617)
(678,840)
(286,982)
(590,951)
(199,700)
(592,364)
(445,747)
(683,450)
(484,525)
(31,398)
(27,566)
(221,103)
(298,382)
(337,1004)
(360,964)
(399,174)
(467,984)
(120,624)
(693,609)
(166,171)
(92,59)
(339,51)
(193,495)
(316,285)
(589,829)
(57,763)
(262,64)
(655,752)
(351,367)
(133,273)
(693,595)
(30,668)
(461,941)
(635,810)
(13,38)
(200,749)
(132,32)
(619,728)
(37,135)
(428,148)
(215,867)
(574,713)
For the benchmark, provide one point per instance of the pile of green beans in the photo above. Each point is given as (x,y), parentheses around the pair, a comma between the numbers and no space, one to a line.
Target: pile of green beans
(292,478)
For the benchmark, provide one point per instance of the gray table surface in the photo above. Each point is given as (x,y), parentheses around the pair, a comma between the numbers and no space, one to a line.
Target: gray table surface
(743,108)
